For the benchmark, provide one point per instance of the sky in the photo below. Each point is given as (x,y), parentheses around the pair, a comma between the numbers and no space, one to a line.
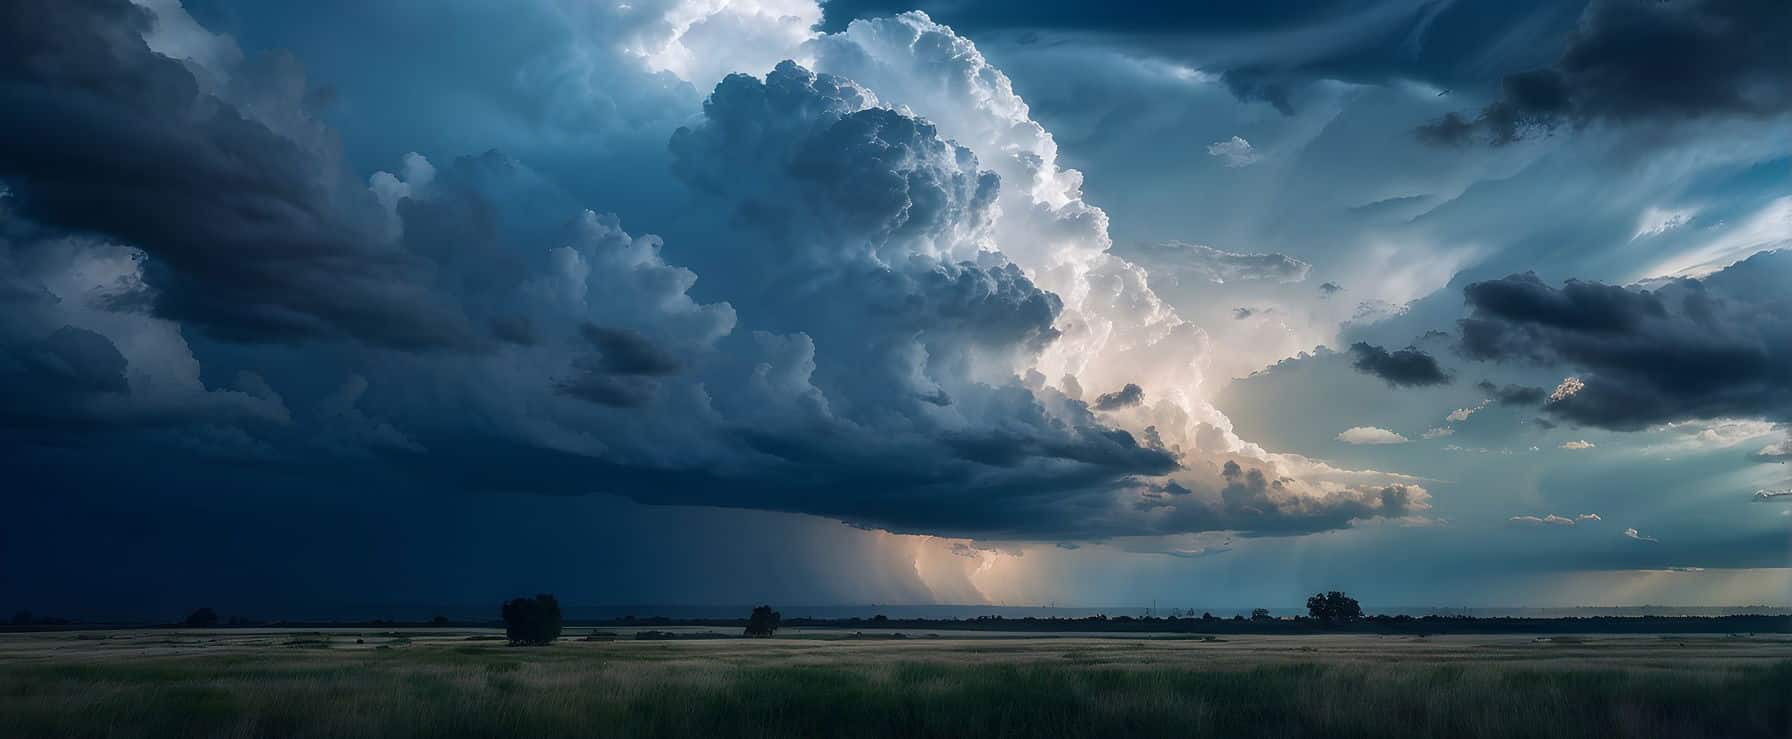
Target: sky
(324,308)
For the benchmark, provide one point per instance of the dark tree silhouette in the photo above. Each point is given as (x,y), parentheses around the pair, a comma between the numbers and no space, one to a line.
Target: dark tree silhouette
(764,621)
(1334,608)
(1260,614)
(532,621)
(204,617)
(22,618)
(439,621)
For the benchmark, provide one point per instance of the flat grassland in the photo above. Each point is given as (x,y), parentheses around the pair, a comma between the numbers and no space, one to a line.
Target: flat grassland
(467,683)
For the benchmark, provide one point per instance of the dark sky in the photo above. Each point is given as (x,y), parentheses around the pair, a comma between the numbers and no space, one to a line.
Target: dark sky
(348,307)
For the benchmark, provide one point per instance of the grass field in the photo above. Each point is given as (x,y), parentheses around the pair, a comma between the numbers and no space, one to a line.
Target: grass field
(462,683)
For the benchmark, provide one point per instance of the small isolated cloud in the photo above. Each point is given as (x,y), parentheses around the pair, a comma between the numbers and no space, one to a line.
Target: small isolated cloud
(1438,433)
(1577,445)
(1409,367)
(1370,435)
(1551,520)
(1125,397)
(1569,387)
(1780,451)
(1197,553)
(1634,534)
(1234,152)
(1069,545)
(1769,496)
(1461,414)
(1328,289)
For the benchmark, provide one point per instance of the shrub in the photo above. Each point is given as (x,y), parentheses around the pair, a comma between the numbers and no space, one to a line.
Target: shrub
(204,617)
(764,621)
(532,621)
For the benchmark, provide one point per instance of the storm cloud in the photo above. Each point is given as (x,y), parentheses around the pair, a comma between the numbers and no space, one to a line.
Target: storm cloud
(1645,61)
(224,177)
(1409,367)
(1712,347)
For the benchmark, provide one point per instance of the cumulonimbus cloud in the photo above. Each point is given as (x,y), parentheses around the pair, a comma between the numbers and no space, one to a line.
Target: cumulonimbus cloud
(483,349)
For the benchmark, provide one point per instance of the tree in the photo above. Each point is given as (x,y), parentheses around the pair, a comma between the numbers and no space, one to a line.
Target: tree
(22,618)
(764,621)
(439,621)
(1334,608)
(1260,614)
(203,618)
(532,622)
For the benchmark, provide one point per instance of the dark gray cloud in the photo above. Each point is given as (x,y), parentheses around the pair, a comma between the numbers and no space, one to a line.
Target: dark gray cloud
(860,370)
(251,233)
(1715,347)
(1646,60)
(1125,397)
(1269,51)
(1409,367)
(1512,394)
(1256,505)
(621,351)
(1328,289)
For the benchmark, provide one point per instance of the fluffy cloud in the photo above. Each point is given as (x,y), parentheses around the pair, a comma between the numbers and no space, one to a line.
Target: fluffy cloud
(1766,496)
(1634,534)
(1409,367)
(1234,152)
(1577,445)
(1690,349)
(1370,435)
(1724,57)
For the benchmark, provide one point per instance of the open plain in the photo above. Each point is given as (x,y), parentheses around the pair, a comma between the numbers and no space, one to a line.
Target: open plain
(829,683)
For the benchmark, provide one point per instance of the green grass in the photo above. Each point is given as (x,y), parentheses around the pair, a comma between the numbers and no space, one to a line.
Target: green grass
(972,688)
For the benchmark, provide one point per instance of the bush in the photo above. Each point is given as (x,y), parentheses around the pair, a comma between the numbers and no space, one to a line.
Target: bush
(764,622)
(204,617)
(532,621)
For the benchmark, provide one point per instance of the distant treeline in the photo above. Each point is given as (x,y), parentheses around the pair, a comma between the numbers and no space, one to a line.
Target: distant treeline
(1404,625)
(1411,625)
